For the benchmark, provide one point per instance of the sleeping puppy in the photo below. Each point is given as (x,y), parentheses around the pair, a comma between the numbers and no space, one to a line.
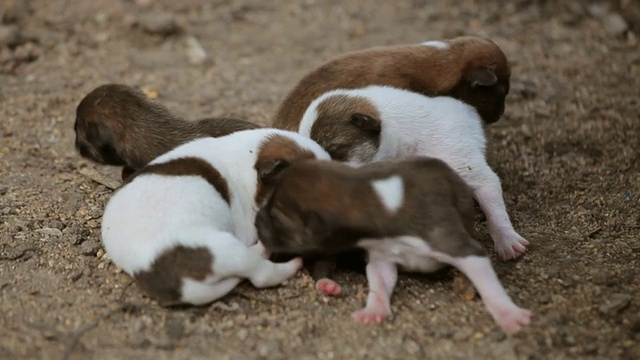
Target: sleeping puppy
(119,125)
(416,214)
(468,68)
(183,226)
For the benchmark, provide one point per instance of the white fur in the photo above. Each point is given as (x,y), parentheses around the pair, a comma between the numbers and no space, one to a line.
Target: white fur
(390,191)
(440,127)
(436,44)
(154,213)
(414,253)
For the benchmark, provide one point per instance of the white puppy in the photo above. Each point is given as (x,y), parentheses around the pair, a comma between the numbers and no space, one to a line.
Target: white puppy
(379,122)
(183,225)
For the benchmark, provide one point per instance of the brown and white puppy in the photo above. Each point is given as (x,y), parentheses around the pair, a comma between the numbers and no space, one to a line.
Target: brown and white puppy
(119,125)
(416,214)
(183,226)
(471,69)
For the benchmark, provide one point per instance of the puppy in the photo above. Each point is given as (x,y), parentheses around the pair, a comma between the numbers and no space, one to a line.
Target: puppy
(379,122)
(472,69)
(181,226)
(416,213)
(118,125)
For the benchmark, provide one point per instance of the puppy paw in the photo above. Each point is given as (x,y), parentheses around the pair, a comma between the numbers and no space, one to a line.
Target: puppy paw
(369,316)
(511,247)
(513,319)
(329,287)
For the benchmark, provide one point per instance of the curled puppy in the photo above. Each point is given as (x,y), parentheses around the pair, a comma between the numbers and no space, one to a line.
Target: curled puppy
(379,123)
(472,69)
(118,125)
(183,226)
(416,214)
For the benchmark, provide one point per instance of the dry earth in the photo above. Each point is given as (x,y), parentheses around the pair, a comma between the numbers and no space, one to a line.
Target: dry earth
(566,150)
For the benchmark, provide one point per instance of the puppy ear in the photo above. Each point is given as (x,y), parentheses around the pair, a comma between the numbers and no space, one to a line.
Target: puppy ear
(366,122)
(482,77)
(269,170)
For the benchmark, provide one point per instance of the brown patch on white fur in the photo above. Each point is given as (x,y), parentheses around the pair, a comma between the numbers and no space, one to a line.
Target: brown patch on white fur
(188,166)
(276,151)
(163,281)
(460,70)
(118,125)
(341,137)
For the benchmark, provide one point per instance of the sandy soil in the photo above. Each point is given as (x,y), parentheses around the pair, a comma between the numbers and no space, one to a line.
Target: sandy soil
(567,151)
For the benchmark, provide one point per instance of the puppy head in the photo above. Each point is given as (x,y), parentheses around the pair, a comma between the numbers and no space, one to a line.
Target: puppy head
(284,228)
(98,124)
(347,126)
(485,77)
(277,152)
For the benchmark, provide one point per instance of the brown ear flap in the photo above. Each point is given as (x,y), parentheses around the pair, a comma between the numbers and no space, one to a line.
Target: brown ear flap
(482,77)
(366,123)
(269,171)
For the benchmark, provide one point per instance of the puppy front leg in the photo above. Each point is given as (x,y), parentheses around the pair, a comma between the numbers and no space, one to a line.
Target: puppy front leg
(382,276)
(488,192)
(321,271)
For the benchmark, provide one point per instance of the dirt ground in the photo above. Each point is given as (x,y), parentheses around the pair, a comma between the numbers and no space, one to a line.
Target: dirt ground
(567,151)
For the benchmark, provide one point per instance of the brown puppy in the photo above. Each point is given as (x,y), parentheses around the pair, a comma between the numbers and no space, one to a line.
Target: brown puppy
(118,125)
(416,214)
(471,69)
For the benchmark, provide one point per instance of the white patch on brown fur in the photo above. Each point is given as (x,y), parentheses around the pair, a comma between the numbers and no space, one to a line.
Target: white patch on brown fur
(390,191)
(436,44)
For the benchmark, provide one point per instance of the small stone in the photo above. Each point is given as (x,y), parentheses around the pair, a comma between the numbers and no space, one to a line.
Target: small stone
(269,349)
(75,239)
(614,24)
(3,189)
(597,10)
(89,248)
(49,231)
(100,254)
(159,23)
(6,210)
(615,303)
(195,52)
(9,35)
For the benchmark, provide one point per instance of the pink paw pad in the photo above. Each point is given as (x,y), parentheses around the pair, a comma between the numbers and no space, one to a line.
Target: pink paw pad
(329,287)
(514,320)
(513,249)
(366,317)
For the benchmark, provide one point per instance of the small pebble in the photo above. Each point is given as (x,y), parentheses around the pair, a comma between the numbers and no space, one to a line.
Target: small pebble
(89,248)
(3,189)
(597,10)
(9,35)
(615,303)
(49,231)
(195,52)
(159,23)
(614,24)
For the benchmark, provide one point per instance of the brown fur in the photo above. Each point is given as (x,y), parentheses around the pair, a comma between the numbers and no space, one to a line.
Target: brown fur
(188,166)
(326,206)
(340,137)
(455,72)
(164,280)
(274,152)
(118,125)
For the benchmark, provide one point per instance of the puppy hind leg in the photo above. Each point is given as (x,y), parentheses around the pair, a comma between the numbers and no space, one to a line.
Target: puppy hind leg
(478,269)
(488,192)
(381,276)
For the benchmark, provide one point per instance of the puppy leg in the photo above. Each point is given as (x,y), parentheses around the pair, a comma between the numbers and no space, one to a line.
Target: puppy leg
(478,269)
(488,191)
(235,259)
(382,277)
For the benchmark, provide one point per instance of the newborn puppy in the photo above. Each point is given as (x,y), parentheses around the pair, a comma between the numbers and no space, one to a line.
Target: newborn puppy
(118,125)
(378,122)
(415,213)
(183,226)
(472,69)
